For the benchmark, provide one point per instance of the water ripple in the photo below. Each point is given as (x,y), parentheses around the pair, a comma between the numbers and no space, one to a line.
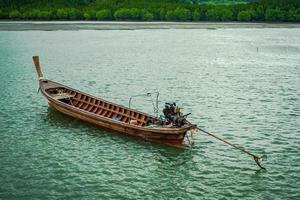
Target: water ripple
(240,83)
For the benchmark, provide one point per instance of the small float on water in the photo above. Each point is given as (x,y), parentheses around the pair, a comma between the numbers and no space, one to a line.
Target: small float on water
(170,129)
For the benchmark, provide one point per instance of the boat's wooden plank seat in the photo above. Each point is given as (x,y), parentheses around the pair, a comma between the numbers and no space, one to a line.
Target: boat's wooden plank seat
(108,110)
(63,95)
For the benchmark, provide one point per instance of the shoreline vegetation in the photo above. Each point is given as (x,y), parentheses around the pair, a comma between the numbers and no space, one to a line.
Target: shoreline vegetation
(150,10)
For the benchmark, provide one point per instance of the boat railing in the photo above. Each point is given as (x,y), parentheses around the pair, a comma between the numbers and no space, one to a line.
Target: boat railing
(148,94)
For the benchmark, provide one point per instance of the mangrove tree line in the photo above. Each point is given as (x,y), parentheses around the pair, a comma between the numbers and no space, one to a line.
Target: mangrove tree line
(150,10)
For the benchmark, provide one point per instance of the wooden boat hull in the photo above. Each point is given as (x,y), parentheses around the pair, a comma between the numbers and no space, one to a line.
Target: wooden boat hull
(87,110)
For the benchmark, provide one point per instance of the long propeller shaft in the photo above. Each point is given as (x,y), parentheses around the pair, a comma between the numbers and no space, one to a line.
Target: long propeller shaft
(255,157)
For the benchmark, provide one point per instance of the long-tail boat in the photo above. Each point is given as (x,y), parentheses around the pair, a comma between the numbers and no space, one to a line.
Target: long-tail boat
(170,130)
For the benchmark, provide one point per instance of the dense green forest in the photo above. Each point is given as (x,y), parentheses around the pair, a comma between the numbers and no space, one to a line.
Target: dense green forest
(151,10)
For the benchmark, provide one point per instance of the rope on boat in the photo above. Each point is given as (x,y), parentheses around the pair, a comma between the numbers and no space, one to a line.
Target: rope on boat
(71,101)
(256,158)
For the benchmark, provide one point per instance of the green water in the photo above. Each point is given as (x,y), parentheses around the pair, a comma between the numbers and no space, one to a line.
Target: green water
(243,83)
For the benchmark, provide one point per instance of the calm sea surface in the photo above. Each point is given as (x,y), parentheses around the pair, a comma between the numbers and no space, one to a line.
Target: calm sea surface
(240,82)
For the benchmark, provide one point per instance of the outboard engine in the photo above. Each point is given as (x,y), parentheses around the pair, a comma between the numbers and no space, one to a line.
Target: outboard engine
(173,115)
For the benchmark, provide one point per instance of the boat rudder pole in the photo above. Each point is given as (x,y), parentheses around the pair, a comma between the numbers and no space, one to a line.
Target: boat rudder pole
(256,158)
(36,62)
